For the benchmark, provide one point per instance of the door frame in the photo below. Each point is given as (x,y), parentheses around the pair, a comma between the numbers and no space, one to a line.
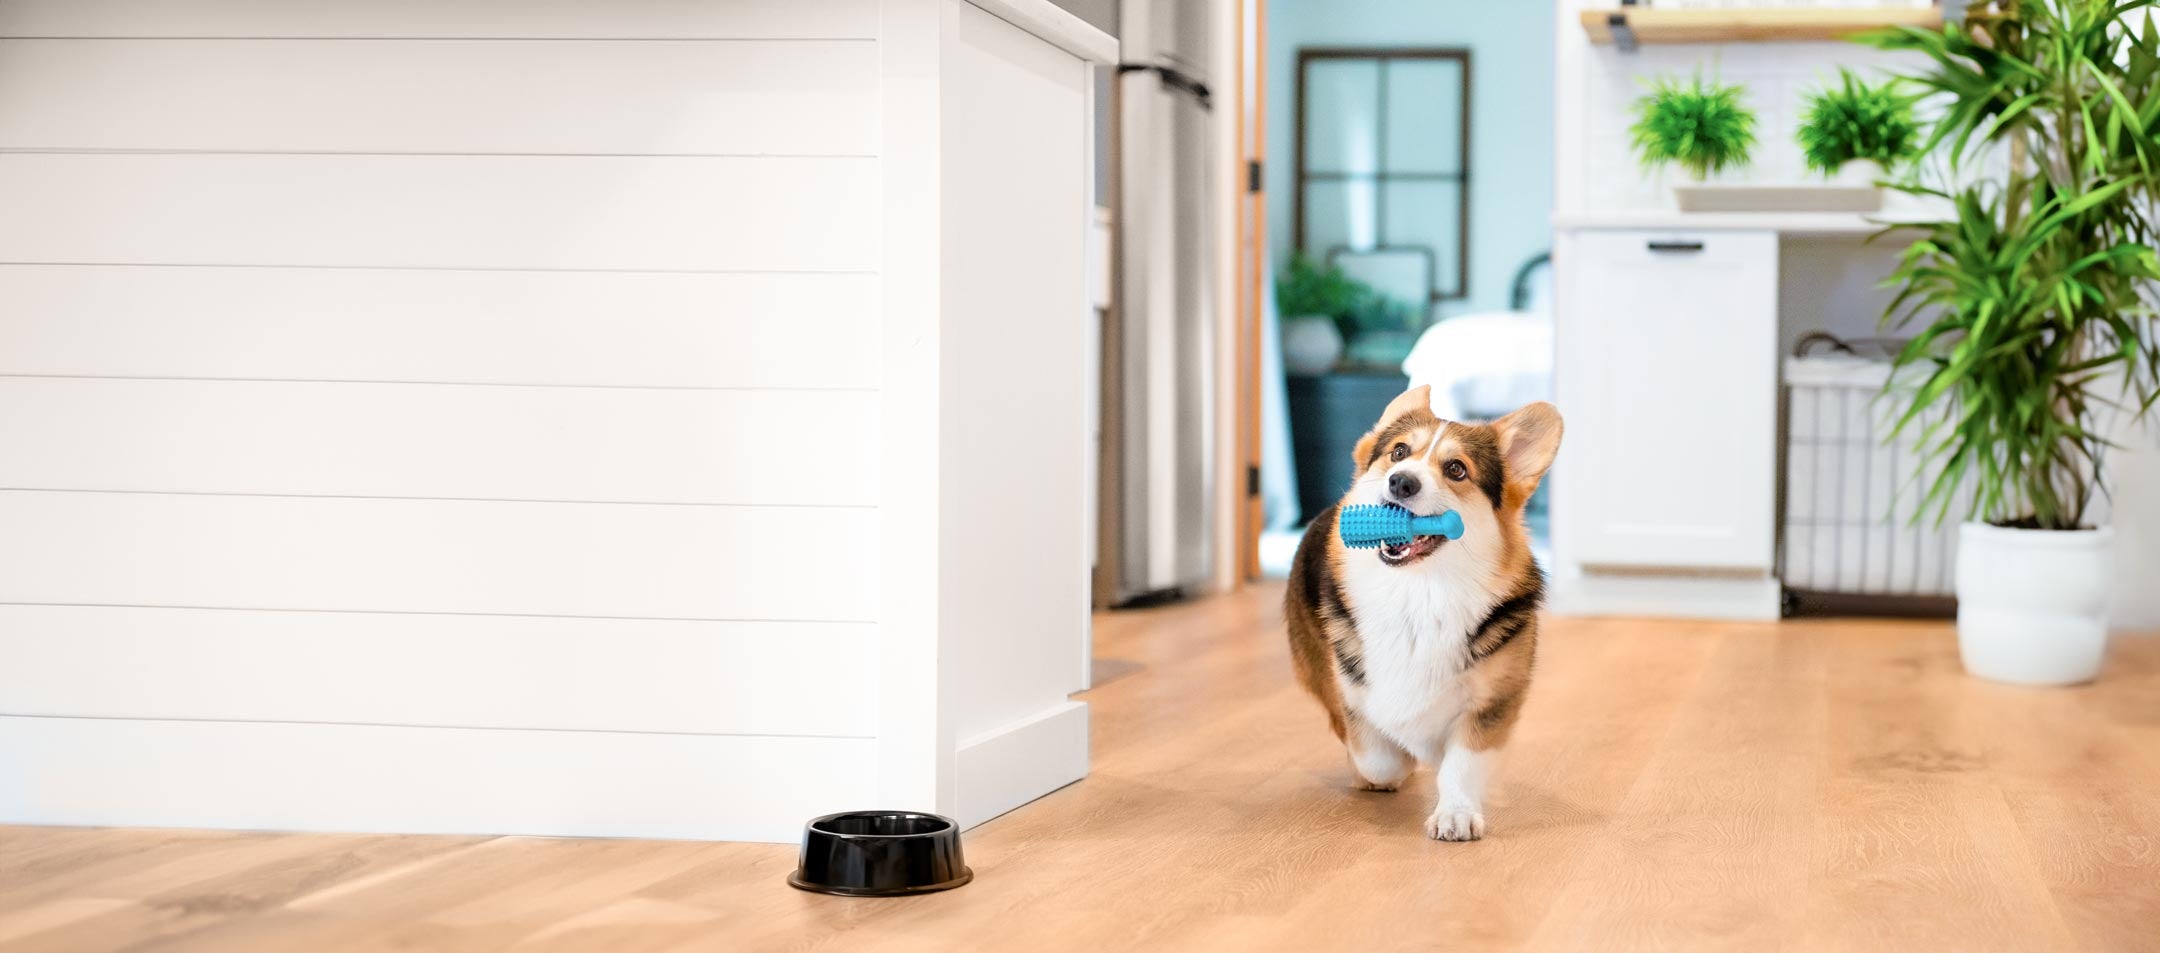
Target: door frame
(1249,188)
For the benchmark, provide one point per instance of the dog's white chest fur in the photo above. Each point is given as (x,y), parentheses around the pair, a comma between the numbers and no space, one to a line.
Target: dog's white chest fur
(1415,627)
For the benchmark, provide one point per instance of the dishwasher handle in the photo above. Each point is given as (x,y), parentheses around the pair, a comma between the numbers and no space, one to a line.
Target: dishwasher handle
(1673,245)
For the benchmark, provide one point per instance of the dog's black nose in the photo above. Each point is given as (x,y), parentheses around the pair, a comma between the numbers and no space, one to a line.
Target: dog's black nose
(1403,485)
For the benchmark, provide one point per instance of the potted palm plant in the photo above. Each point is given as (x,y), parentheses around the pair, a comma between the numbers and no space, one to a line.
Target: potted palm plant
(1856,131)
(2028,306)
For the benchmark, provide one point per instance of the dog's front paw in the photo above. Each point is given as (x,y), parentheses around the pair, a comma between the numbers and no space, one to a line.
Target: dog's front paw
(1383,787)
(1456,825)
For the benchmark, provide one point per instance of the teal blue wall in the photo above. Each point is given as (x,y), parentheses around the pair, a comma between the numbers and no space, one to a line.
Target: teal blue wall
(1511,115)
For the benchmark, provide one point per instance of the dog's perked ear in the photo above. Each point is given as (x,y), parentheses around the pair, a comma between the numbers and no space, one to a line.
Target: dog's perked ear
(1416,398)
(1529,438)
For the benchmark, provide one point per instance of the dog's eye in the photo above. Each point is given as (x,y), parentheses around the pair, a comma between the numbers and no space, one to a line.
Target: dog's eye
(1399,454)
(1456,471)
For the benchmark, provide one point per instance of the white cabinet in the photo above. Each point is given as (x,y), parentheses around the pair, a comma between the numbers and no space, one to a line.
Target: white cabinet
(516,417)
(1667,371)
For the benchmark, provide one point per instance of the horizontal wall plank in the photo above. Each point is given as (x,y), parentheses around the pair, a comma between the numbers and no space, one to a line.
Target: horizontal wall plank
(424,780)
(723,19)
(491,327)
(439,556)
(422,670)
(439,441)
(572,212)
(460,96)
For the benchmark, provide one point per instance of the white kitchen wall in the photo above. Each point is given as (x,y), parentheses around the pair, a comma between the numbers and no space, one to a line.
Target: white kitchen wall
(2134,511)
(1511,128)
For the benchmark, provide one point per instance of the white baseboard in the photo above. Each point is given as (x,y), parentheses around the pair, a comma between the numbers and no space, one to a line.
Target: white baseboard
(390,779)
(1674,596)
(1010,766)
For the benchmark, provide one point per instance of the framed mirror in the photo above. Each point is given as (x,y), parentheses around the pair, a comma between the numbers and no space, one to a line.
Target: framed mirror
(1383,164)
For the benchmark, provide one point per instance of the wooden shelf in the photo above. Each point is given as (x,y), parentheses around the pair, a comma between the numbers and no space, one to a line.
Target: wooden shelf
(1628,26)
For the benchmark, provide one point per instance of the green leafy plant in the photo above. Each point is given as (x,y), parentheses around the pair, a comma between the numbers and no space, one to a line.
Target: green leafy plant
(1701,127)
(1857,120)
(1309,285)
(2029,301)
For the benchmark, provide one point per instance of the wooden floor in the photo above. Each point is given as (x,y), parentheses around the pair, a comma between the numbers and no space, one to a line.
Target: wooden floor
(1820,785)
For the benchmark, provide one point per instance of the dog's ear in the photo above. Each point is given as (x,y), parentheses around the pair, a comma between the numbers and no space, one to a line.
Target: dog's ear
(1529,438)
(1416,398)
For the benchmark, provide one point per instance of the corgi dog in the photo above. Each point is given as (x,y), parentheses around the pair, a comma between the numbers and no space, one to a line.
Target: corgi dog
(1422,651)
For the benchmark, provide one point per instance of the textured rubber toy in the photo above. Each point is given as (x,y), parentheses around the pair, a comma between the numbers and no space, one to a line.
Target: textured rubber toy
(1367,527)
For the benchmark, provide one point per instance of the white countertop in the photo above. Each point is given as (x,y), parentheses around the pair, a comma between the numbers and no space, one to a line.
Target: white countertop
(1846,224)
(1061,29)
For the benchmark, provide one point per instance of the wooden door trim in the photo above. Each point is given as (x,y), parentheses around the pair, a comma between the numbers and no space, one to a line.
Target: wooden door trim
(1252,262)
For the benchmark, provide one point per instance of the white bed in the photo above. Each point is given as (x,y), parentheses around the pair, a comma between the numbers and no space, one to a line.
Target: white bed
(1485,364)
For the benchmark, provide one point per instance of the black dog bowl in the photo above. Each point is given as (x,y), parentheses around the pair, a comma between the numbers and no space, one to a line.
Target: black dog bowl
(880,854)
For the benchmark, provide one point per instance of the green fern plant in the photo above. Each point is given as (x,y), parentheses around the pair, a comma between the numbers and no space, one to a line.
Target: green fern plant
(1702,127)
(1858,120)
(1310,285)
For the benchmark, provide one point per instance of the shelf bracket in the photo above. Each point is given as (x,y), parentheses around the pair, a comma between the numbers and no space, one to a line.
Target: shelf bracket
(1623,36)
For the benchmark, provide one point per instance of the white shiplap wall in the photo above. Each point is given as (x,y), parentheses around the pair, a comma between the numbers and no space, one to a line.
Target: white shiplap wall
(443,373)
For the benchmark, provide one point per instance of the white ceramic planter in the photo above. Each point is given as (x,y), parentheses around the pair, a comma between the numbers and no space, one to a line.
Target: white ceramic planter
(2032,603)
(1859,173)
(1311,345)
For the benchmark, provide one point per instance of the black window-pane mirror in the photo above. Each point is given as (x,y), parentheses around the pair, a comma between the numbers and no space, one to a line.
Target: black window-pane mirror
(1342,103)
(1383,159)
(1425,115)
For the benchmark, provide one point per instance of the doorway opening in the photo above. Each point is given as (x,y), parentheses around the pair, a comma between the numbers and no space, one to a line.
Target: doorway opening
(1410,195)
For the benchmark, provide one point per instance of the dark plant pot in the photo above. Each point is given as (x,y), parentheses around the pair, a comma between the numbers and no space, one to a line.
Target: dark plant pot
(1327,416)
(880,854)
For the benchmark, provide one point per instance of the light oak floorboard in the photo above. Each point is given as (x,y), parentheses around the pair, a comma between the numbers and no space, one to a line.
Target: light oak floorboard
(1833,785)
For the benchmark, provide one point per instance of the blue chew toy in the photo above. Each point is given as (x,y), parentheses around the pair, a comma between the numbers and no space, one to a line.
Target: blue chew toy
(1370,527)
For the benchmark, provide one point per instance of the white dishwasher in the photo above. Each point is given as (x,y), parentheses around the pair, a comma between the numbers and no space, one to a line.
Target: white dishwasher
(1667,371)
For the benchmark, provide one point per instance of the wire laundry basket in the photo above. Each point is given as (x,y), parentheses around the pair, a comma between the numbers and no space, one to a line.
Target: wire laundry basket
(1848,494)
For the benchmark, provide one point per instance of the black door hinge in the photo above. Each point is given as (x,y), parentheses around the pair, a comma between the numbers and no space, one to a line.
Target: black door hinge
(1252,481)
(1252,175)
